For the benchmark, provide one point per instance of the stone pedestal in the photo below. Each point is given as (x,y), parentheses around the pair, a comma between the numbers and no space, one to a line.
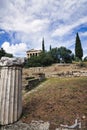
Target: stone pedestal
(10,93)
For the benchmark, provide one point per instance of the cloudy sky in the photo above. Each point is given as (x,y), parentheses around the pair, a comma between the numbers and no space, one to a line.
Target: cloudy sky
(24,23)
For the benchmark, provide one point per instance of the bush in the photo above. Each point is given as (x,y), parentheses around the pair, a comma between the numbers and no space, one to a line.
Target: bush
(85,59)
(81,64)
(53,56)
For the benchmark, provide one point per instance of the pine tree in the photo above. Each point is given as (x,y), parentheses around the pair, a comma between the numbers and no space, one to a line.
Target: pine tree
(78,48)
(43,47)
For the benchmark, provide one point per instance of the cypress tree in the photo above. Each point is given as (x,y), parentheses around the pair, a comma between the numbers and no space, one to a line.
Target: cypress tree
(78,48)
(50,48)
(43,47)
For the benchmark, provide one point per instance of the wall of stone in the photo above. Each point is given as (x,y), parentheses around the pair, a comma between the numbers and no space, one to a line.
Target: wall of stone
(34,81)
(58,70)
(69,74)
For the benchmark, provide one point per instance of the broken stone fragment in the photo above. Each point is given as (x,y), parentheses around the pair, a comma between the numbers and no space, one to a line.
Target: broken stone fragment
(10,90)
(6,61)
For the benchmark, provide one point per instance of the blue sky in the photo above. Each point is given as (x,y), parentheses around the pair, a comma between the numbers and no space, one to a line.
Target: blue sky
(24,23)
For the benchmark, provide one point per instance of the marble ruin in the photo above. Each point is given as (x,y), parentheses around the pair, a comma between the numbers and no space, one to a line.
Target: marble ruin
(33,52)
(10,89)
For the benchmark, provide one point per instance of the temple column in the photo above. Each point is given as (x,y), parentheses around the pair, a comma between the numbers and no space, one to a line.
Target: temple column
(10,94)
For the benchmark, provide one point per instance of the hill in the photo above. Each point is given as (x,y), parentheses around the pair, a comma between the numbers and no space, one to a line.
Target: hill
(57,100)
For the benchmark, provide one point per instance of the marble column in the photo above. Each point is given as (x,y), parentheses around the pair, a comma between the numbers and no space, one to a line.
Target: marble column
(10,93)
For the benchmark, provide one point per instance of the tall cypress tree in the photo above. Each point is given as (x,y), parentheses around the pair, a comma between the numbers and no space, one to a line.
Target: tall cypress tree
(50,48)
(78,48)
(43,47)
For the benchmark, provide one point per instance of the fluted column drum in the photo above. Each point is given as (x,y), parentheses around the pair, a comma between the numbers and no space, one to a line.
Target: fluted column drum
(10,94)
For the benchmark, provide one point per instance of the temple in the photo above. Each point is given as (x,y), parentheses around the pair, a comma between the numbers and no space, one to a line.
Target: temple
(33,52)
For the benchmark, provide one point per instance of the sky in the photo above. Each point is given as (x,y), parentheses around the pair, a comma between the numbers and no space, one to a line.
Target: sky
(24,23)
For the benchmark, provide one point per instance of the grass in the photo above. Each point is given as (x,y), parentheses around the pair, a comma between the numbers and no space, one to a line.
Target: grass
(57,100)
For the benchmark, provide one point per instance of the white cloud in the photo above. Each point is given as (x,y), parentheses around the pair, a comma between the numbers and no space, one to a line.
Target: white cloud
(27,15)
(27,27)
(65,29)
(17,49)
(83,34)
(2,32)
(32,16)
(34,19)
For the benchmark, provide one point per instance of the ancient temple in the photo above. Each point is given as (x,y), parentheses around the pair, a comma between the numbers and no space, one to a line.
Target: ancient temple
(33,52)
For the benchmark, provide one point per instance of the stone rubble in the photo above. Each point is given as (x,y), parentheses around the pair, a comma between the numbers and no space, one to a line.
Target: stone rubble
(34,125)
(6,61)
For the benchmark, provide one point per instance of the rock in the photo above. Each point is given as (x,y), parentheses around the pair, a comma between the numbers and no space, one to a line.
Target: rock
(63,129)
(40,125)
(16,126)
(34,125)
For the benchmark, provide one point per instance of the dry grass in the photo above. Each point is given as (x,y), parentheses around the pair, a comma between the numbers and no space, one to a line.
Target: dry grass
(57,100)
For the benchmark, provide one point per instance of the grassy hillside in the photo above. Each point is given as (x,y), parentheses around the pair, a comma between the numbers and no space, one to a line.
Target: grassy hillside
(57,100)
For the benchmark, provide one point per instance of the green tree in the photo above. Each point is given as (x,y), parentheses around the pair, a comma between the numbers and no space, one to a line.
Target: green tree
(43,46)
(78,48)
(46,59)
(50,48)
(85,58)
(2,52)
(54,54)
(65,54)
(9,55)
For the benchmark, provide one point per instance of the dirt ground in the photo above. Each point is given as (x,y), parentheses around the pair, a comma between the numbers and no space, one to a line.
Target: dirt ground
(57,100)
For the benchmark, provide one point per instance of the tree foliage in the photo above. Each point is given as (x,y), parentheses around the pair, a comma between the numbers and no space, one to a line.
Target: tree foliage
(9,55)
(55,55)
(65,55)
(3,53)
(78,48)
(43,46)
(50,48)
(85,58)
